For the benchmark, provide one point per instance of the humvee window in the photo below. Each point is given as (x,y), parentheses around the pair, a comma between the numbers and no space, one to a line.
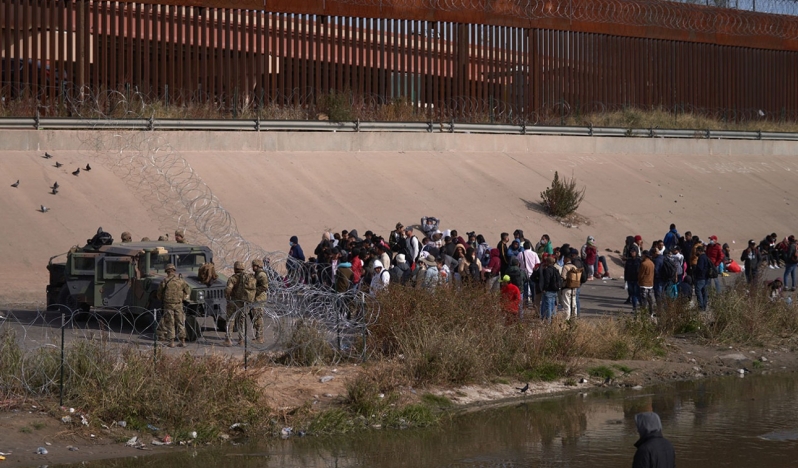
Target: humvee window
(116,269)
(192,260)
(158,262)
(83,263)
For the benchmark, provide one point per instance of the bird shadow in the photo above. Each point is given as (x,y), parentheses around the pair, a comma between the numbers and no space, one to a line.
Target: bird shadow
(534,206)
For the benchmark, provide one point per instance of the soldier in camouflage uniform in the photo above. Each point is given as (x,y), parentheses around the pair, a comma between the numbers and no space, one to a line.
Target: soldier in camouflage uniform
(261,294)
(180,236)
(126,237)
(235,305)
(171,292)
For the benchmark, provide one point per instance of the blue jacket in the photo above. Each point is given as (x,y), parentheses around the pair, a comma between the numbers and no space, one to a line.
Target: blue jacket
(296,252)
(701,269)
(671,239)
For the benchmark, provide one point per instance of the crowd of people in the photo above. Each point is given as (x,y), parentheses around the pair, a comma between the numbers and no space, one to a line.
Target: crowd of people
(535,274)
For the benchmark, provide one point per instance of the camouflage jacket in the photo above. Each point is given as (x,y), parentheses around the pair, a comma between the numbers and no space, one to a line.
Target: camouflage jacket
(262,293)
(173,291)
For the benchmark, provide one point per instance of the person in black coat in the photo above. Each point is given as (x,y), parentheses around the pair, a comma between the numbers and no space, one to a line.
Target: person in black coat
(751,258)
(653,450)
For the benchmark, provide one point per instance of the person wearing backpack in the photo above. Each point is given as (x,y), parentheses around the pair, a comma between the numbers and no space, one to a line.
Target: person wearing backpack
(240,292)
(380,280)
(550,283)
(572,281)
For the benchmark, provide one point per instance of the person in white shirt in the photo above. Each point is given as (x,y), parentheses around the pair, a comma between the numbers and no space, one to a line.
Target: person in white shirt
(528,260)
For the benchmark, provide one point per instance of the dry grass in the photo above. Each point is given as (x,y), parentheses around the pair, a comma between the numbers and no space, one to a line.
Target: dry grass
(346,106)
(659,118)
(182,393)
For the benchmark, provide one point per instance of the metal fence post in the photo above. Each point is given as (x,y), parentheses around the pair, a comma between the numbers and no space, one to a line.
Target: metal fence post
(246,332)
(155,336)
(61,384)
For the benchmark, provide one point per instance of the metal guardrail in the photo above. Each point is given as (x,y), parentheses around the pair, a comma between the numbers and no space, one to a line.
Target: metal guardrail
(427,127)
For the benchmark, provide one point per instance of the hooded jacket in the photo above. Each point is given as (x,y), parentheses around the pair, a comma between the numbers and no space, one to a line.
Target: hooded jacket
(653,450)
(516,275)
(495,263)
(671,239)
(715,253)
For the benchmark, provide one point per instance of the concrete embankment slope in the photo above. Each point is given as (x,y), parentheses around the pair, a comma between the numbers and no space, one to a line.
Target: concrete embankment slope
(280,184)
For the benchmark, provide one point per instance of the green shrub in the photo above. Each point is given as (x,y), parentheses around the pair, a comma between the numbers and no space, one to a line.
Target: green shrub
(602,371)
(562,198)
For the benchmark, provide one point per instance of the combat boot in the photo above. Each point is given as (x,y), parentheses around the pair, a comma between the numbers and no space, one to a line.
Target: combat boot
(182,343)
(260,340)
(240,342)
(171,344)
(227,342)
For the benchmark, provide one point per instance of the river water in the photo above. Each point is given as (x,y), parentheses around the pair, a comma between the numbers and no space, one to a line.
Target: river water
(727,422)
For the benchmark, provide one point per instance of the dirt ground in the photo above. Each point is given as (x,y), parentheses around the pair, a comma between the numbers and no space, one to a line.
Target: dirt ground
(26,427)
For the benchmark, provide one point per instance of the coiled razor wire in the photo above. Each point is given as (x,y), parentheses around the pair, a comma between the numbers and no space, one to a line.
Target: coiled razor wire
(176,197)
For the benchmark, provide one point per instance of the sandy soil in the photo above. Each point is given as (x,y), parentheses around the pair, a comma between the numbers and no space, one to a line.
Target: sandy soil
(276,194)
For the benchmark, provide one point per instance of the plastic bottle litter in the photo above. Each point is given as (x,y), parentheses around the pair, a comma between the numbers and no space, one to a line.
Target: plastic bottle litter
(132,441)
(121,423)
(152,428)
(41,451)
(193,434)
(66,419)
(326,378)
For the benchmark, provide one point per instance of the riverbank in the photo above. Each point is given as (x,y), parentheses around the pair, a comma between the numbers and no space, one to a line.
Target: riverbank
(297,395)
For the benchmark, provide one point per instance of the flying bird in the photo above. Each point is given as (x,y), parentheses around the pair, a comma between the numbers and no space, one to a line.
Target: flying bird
(44,209)
(47,155)
(88,168)
(55,191)
(15,184)
(524,388)
(76,172)
(58,164)
(55,185)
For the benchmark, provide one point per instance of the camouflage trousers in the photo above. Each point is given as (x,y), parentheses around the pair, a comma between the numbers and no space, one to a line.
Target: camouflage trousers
(240,311)
(173,318)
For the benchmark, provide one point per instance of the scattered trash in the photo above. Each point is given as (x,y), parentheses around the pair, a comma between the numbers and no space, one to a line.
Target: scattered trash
(167,439)
(224,436)
(2,457)
(152,428)
(157,442)
(286,432)
(741,371)
(382,395)
(326,378)
(132,441)
(84,420)
(103,426)
(583,380)
(121,423)
(193,434)
(328,395)
(66,419)
(239,426)
(41,451)
(71,410)
(763,359)
(48,444)
(92,436)
(72,448)
(301,433)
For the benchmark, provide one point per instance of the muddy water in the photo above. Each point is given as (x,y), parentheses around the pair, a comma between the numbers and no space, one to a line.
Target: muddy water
(734,422)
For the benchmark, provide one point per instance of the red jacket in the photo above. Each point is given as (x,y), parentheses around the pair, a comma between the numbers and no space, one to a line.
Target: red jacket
(511,298)
(715,253)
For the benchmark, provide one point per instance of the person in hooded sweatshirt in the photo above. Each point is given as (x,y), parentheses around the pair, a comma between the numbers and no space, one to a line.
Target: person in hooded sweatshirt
(653,450)
(381,278)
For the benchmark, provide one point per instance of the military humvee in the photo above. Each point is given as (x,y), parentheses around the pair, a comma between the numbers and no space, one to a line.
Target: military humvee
(125,277)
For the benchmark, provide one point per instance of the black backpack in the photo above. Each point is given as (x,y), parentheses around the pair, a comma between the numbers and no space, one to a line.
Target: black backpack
(668,269)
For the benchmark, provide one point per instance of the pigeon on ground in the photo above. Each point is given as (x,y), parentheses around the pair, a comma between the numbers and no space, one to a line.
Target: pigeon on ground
(76,172)
(47,155)
(15,184)
(524,388)
(58,164)
(88,168)
(55,191)
(55,185)
(44,209)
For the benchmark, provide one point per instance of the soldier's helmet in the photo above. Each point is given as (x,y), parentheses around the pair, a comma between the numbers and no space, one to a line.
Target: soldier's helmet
(126,237)
(170,267)
(161,238)
(238,266)
(257,263)
(180,233)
